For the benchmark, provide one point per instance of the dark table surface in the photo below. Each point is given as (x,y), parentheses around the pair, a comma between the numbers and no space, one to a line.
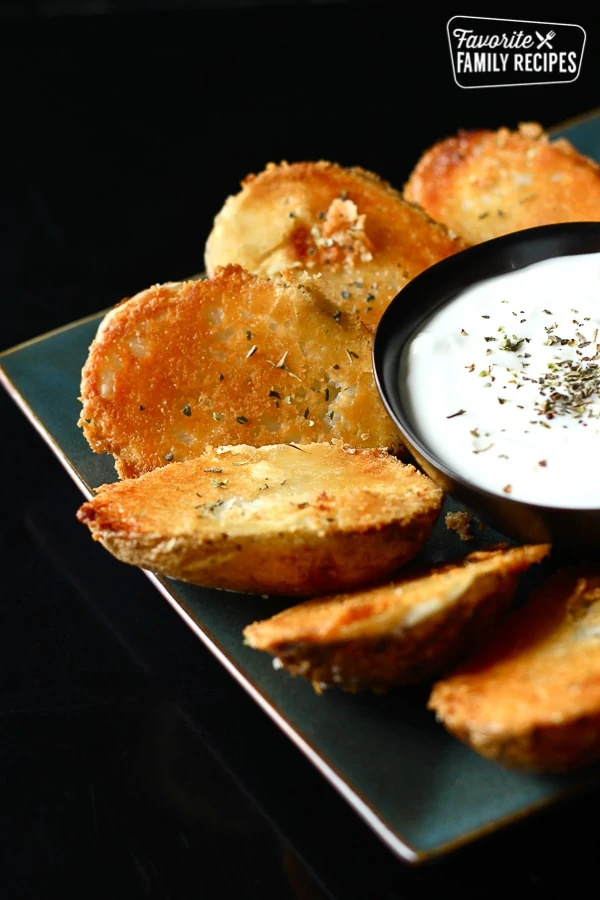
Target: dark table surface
(131,764)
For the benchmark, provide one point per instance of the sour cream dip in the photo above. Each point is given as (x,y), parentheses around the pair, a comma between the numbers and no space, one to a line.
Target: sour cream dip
(502,383)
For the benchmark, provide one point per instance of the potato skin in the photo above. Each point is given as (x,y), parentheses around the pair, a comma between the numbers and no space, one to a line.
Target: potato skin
(407,631)
(277,563)
(553,749)
(483,184)
(530,697)
(272,520)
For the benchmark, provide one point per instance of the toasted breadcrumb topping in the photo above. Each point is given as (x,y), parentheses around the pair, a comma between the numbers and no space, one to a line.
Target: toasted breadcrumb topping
(460,522)
(532,130)
(342,234)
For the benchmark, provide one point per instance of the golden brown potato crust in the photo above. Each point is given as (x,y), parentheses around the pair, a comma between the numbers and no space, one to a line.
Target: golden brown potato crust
(277,519)
(530,698)
(348,224)
(403,632)
(231,360)
(483,184)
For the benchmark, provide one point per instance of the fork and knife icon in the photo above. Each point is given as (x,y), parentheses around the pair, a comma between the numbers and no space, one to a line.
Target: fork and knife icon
(545,41)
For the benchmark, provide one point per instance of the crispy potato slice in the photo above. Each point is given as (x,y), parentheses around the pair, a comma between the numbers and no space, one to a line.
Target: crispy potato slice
(279,519)
(346,223)
(403,632)
(530,697)
(482,184)
(236,359)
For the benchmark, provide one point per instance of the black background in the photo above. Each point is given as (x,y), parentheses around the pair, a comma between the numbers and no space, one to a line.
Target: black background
(131,764)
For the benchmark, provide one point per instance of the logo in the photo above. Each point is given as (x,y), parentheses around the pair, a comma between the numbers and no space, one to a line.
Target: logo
(511,52)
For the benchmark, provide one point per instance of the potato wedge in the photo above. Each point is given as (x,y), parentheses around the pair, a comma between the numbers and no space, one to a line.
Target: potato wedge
(279,519)
(346,223)
(530,697)
(236,359)
(483,184)
(406,631)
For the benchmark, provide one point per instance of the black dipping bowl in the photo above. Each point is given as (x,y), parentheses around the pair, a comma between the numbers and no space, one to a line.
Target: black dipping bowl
(572,531)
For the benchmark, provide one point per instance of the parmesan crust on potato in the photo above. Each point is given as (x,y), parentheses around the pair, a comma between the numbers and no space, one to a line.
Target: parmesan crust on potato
(483,184)
(278,519)
(406,631)
(235,359)
(348,224)
(530,697)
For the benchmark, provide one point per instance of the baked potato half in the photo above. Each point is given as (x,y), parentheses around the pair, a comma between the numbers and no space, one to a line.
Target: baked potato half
(483,184)
(280,519)
(405,631)
(236,359)
(530,697)
(345,223)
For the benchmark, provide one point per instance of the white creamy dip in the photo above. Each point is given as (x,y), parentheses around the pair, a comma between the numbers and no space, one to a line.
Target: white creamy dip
(502,383)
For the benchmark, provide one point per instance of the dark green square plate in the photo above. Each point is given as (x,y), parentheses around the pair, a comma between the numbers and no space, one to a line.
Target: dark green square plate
(420,790)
